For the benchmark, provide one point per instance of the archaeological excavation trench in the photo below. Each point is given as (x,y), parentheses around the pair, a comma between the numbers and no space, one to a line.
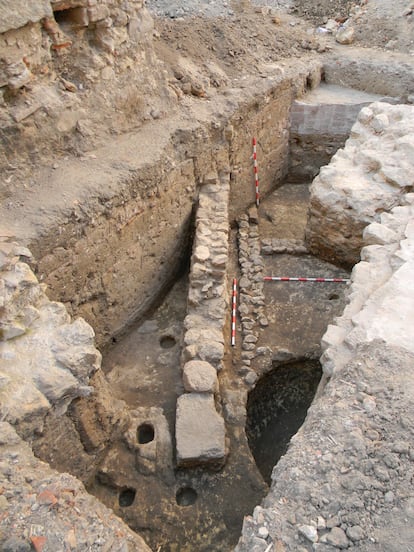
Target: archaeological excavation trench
(202,507)
(182,432)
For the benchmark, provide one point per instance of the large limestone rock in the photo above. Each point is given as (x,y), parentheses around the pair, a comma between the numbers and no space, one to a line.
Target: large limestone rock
(46,359)
(370,175)
(200,431)
(199,377)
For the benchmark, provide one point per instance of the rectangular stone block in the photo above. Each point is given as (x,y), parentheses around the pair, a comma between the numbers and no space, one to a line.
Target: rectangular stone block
(200,431)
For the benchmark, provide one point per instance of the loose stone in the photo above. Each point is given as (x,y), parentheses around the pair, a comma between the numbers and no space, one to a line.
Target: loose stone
(309,532)
(337,537)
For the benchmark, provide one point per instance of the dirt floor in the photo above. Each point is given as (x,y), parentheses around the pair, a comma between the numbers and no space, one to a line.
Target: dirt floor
(143,370)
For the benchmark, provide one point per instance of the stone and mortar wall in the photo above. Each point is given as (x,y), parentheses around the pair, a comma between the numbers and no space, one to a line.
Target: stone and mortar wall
(200,430)
(345,480)
(370,175)
(58,61)
(30,33)
(47,359)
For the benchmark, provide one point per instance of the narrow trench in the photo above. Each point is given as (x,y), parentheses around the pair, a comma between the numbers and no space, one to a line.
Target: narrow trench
(197,509)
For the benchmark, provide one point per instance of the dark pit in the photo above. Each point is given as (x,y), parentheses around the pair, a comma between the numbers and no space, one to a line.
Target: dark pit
(276,408)
(186,496)
(126,497)
(167,342)
(145,433)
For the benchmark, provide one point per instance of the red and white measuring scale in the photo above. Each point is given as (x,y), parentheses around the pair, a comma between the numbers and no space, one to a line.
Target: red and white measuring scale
(295,279)
(233,313)
(256,175)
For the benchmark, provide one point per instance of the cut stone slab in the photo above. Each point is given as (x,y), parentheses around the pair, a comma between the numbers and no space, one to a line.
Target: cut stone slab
(200,431)
(200,377)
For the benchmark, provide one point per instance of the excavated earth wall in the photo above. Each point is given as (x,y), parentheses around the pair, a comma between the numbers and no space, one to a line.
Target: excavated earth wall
(132,213)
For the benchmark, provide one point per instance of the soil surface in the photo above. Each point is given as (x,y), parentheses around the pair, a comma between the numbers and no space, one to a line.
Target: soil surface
(143,370)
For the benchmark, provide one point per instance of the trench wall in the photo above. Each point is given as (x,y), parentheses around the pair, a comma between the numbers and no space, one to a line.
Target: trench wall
(320,124)
(117,240)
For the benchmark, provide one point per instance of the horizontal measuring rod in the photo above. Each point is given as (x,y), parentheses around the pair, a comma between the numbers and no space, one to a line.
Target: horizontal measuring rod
(288,279)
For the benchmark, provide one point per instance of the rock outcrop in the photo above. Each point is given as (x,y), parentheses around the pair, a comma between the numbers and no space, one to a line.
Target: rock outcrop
(46,358)
(370,175)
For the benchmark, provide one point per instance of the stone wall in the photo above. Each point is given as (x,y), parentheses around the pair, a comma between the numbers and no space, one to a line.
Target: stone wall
(200,431)
(47,359)
(59,62)
(370,175)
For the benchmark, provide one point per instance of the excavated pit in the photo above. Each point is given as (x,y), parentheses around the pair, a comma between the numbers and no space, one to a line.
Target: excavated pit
(276,408)
(196,508)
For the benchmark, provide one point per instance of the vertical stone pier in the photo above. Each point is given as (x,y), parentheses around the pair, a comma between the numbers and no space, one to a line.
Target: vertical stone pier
(200,429)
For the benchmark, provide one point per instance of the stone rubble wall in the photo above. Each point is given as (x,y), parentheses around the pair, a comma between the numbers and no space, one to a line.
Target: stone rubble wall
(345,479)
(372,174)
(30,33)
(251,295)
(381,300)
(62,64)
(200,429)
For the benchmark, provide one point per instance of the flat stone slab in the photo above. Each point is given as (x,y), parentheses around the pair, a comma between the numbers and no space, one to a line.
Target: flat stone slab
(200,431)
